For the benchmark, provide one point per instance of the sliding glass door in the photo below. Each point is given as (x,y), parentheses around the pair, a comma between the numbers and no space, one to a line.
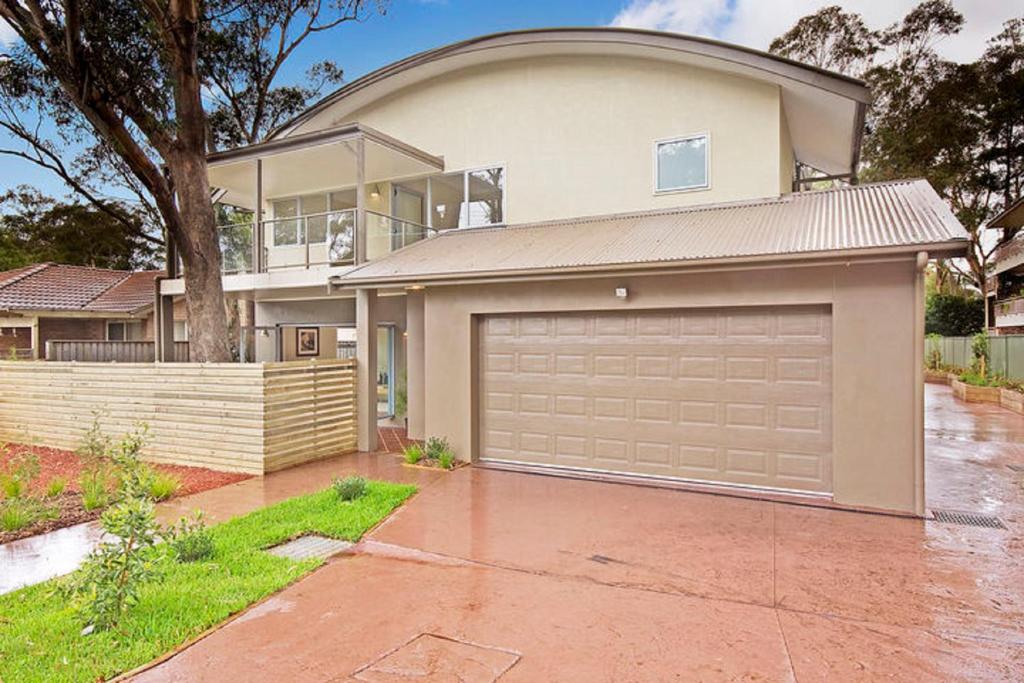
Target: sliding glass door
(385,371)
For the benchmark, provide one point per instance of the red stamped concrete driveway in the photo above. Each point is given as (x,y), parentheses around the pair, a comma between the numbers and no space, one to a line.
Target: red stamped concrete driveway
(488,575)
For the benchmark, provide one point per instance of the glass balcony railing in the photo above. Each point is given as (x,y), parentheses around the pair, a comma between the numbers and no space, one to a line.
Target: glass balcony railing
(323,239)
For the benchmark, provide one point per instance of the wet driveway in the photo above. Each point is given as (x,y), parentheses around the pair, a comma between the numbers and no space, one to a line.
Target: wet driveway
(488,575)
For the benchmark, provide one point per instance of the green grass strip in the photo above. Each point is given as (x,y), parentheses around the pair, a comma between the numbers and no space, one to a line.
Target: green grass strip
(40,634)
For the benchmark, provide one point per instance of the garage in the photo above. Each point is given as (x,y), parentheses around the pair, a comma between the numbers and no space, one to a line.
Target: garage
(738,396)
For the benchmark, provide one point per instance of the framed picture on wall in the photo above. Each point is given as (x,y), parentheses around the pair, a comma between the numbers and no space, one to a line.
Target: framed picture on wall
(307,341)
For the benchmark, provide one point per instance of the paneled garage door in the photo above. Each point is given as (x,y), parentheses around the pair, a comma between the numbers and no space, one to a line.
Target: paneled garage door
(730,395)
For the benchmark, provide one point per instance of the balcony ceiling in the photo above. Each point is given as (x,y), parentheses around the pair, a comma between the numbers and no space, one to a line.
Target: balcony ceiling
(322,162)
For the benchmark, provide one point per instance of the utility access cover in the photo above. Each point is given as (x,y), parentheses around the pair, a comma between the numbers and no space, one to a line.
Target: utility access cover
(306,547)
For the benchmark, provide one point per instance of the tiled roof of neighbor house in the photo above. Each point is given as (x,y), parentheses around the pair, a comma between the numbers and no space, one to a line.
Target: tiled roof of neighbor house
(858,219)
(55,287)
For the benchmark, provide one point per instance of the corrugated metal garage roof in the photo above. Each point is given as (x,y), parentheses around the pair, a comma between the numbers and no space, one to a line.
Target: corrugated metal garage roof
(862,218)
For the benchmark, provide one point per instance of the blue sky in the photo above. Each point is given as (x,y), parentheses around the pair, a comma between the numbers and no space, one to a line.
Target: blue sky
(410,26)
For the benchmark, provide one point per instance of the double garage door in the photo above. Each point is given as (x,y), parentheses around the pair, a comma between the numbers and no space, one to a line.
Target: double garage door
(739,396)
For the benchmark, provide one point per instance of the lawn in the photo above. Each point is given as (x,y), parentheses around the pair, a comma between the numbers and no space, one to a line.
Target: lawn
(40,635)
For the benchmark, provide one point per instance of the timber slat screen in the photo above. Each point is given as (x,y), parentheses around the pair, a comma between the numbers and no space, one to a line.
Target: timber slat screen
(241,417)
(94,351)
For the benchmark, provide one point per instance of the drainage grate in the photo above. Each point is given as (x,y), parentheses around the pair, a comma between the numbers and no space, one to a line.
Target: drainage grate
(968,519)
(305,547)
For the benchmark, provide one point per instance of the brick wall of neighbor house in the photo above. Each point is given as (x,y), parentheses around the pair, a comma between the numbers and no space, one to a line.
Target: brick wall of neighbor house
(9,340)
(71,329)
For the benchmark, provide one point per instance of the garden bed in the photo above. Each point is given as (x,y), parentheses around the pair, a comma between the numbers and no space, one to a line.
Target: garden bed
(41,636)
(66,508)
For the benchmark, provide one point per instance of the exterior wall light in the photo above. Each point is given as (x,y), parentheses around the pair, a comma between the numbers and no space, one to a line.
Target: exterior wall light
(416,288)
(621,293)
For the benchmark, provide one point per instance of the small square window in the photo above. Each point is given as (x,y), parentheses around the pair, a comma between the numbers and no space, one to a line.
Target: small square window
(681,164)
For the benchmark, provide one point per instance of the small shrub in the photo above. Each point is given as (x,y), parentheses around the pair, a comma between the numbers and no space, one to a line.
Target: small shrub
(413,453)
(980,350)
(349,488)
(94,489)
(446,459)
(436,445)
(19,473)
(56,487)
(162,486)
(18,513)
(190,540)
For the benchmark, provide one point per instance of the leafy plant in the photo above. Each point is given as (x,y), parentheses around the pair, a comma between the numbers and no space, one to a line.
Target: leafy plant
(980,350)
(349,488)
(94,489)
(111,578)
(446,459)
(162,486)
(18,475)
(436,445)
(18,513)
(402,396)
(94,450)
(413,453)
(933,360)
(56,487)
(190,540)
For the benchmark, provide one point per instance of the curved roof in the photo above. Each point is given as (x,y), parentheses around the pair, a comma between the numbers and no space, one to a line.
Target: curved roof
(824,109)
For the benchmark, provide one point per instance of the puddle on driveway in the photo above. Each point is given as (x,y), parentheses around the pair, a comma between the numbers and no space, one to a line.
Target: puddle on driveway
(31,560)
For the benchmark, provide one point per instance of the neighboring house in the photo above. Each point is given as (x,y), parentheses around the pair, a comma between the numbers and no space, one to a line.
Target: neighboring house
(585,252)
(48,301)
(1007,290)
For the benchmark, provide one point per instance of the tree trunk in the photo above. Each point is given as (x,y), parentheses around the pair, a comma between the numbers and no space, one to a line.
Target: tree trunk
(200,250)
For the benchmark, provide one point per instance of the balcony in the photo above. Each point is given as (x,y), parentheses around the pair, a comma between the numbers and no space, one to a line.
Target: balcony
(314,240)
(1009,312)
(335,197)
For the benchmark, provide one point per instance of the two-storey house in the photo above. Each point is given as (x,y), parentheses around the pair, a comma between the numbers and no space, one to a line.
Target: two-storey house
(588,252)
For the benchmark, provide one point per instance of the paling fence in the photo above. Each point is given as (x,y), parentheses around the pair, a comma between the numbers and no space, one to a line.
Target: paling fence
(1006,353)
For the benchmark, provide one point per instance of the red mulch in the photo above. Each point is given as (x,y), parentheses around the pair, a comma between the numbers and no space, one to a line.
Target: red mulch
(56,462)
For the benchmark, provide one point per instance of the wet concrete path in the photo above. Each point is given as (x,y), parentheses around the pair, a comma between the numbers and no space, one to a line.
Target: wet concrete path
(488,575)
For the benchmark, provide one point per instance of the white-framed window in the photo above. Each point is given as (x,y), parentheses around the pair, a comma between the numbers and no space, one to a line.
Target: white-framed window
(682,163)
(473,198)
(181,330)
(124,330)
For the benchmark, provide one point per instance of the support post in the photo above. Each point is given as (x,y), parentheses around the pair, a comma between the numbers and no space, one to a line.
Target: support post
(257,221)
(35,340)
(415,361)
(163,322)
(360,236)
(919,311)
(366,369)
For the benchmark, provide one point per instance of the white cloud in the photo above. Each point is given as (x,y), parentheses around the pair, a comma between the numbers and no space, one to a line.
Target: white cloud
(755,23)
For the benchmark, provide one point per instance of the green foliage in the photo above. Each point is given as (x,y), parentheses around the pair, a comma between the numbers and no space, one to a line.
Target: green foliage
(190,540)
(413,453)
(112,577)
(933,358)
(161,486)
(56,486)
(18,513)
(94,450)
(436,445)
(980,351)
(446,459)
(19,474)
(41,638)
(349,488)
(95,493)
(953,315)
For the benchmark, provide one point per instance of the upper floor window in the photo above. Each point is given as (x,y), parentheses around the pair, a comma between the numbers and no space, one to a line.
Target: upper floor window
(468,199)
(681,163)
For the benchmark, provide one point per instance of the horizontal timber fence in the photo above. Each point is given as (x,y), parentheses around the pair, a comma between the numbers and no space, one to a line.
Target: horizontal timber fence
(106,351)
(1006,353)
(238,417)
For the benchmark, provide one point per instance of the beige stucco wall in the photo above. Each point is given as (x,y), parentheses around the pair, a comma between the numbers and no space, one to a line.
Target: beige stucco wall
(874,358)
(576,133)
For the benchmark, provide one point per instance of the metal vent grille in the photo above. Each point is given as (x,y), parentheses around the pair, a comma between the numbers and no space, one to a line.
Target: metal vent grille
(306,547)
(968,519)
